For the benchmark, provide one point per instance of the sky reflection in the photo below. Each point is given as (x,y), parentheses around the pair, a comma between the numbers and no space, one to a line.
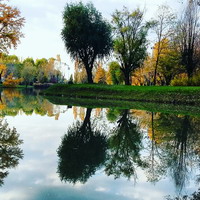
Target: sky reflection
(36,177)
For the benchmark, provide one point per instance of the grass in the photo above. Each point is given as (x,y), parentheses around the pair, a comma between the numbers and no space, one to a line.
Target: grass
(153,94)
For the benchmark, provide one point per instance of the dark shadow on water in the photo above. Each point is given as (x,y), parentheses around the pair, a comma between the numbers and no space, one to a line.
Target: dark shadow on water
(10,152)
(82,151)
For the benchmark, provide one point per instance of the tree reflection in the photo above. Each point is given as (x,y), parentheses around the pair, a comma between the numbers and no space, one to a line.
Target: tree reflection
(125,144)
(82,151)
(10,153)
(194,196)
(13,102)
(175,138)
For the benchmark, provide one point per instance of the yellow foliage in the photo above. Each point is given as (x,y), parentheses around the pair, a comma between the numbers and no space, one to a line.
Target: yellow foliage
(100,76)
(11,82)
(161,48)
(108,78)
(2,69)
(2,106)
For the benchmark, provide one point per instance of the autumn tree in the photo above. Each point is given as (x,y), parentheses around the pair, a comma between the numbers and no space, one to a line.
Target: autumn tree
(130,43)
(162,28)
(11,24)
(80,74)
(86,35)
(2,71)
(100,76)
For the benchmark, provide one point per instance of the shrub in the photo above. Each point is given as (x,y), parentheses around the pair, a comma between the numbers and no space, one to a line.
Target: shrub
(11,82)
(180,80)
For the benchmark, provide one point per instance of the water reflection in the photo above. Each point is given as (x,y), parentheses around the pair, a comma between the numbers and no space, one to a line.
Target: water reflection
(162,145)
(82,151)
(118,144)
(125,144)
(194,196)
(13,102)
(10,152)
(175,142)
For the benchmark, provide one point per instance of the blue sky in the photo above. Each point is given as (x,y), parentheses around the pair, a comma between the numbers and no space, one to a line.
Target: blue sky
(44,23)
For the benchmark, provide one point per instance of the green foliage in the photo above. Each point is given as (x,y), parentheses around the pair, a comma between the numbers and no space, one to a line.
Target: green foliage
(29,62)
(130,43)
(86,35)
(28,74)
(115,72)
(169,65)
(185,81)
(41,62)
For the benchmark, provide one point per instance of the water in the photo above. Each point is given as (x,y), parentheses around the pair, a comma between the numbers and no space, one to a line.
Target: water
(68,152)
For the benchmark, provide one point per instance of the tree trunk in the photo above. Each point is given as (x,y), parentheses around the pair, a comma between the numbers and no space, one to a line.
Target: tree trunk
(89,74)
(0,77)
(127,78)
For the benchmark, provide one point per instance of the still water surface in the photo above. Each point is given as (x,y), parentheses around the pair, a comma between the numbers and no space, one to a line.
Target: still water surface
(76,153)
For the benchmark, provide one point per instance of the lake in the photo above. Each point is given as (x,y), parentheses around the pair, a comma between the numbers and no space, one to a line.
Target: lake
(69,152)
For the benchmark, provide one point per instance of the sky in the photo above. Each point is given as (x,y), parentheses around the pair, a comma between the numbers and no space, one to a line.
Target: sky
(44,24)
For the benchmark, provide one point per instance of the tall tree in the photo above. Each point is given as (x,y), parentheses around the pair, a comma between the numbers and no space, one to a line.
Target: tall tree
(86,35)
(130,41)
(163,27)
(187,37)
(11,23)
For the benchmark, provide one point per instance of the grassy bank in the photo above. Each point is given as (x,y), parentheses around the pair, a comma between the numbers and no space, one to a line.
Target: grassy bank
(153,94)
(106,103)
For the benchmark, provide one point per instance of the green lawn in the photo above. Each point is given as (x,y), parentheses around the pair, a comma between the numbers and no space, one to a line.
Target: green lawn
(157,94)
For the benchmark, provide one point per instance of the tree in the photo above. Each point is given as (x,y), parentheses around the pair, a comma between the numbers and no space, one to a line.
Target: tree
(162,28)
(169,65)
(187,37)
(11,82)
(115,73)
(130,42)
(100,76)
(2,71)
(28,62)
(28,74)
(11,23)
(86,35)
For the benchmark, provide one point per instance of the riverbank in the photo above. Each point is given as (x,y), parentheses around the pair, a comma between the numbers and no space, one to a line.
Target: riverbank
(106,103)
(153,94)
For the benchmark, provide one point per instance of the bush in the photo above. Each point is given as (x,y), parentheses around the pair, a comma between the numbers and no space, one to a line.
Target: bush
(183,80)
(11,82)
(180,80)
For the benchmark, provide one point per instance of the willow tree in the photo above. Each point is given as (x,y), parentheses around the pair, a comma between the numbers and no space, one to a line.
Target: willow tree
(86,35)
(130,43)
